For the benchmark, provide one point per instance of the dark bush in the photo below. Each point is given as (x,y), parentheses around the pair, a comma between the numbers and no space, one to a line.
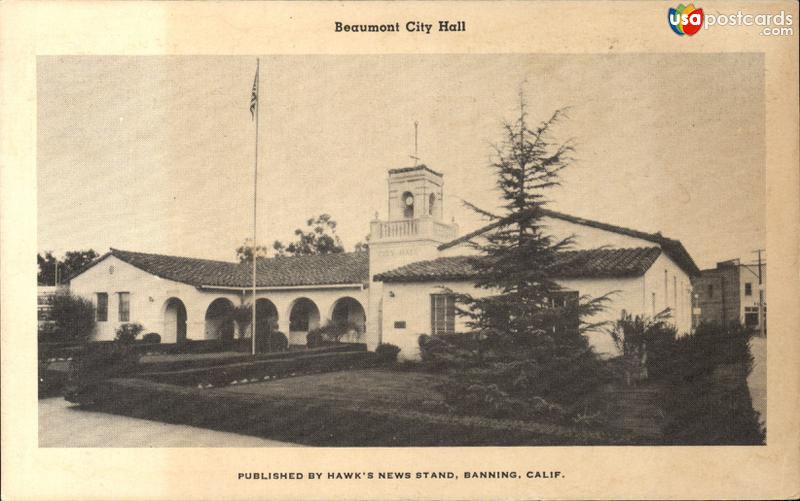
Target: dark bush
(552,377)
(641,340)
(699,354)
(151,338)
(96,363)
(439,353)
(331,333)
(47,332)
(707,400)
(74,317)
(387,352)
(126,333)
(269,341)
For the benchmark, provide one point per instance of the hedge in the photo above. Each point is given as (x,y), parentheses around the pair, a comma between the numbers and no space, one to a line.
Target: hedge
(149,365)
(706,398)
(226,373)
(324,423)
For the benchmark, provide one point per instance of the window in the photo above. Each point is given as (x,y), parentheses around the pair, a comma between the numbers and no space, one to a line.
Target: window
(748,289)
(674,292)
(710,290)
(102,307)
(443,314)
(751,316)
(124,306)
(408,205)
(569,301)
(400,324)
(431,203)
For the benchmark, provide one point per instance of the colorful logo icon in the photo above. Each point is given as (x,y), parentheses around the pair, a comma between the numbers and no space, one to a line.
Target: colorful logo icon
(685,20)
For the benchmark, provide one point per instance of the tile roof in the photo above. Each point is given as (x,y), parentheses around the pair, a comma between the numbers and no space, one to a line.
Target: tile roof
(595,263)
(412,169)
(324,269)
(673,248)
(328,269)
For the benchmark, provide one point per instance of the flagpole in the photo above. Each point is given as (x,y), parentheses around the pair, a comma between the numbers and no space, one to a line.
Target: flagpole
(255,211)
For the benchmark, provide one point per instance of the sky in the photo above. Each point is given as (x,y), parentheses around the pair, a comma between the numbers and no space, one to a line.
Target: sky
(156,154)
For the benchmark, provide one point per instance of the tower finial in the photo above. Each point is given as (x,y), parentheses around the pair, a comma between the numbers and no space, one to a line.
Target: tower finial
(415,156)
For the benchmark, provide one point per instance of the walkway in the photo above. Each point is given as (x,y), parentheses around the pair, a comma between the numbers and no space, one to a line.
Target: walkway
(757,381)
(62,424)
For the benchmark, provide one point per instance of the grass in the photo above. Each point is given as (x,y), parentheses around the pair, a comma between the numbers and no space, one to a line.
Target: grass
(375,388)
(401,405)
(331,414)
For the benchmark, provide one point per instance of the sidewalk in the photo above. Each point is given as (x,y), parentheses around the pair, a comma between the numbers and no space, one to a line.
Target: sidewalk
(62,424)
(757,381)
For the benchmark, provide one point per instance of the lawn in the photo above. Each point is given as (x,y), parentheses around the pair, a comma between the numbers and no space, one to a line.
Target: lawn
(370,388)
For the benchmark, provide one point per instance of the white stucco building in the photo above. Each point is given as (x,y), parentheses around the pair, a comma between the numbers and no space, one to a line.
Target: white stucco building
(395,291)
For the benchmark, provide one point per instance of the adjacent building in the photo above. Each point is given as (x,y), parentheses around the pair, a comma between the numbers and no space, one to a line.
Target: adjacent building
(401,288)
(732,291)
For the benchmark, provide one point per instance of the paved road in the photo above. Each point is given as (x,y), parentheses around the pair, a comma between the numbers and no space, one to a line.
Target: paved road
(757,381)
(61,424)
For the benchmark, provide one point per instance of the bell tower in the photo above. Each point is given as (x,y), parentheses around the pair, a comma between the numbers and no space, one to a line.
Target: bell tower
(415,193)
(412,232)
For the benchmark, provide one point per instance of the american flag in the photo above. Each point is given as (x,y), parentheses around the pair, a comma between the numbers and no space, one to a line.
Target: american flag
(254,96)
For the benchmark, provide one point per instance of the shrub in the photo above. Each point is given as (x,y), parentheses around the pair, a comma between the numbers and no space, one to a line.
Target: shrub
(126,333)
(270,341)
(331,333)
(242,314)
(151,338)
(96,363)
(440,354)
(640,340)
(47,332)
(707,400)
(74,317)
(699,354)
(387,352)
(552,377)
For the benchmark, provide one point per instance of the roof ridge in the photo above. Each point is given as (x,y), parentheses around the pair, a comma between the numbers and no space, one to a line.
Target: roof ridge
(155,254)
(596,262)
(672,246)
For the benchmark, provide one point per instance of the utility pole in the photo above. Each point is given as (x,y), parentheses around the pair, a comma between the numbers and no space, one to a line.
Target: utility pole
(761,316)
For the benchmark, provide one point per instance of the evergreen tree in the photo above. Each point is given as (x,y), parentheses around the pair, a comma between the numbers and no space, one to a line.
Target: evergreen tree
(528,354)
(518,259)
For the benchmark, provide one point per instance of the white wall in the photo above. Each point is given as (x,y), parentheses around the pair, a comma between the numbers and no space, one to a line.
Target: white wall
(149,294)
(586,237)
(148,297)
(675,292)
(410,302)
(748,273)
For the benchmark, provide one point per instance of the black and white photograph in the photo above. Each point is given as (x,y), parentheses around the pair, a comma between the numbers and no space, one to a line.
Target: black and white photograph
(401,250)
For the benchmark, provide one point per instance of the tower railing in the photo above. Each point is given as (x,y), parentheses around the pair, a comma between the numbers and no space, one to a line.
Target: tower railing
(405,228)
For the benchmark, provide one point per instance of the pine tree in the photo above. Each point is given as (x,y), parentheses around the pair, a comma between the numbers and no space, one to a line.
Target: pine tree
(530,344)
(518,259)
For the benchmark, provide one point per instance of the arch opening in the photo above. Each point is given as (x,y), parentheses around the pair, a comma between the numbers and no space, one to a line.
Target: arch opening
(175,320)
(220,319)
(266,316)
(303,317)
(348,313)
(408,205)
